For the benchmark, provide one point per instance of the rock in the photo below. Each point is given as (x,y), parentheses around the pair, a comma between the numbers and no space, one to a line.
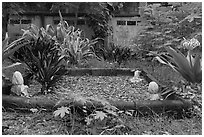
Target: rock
(153,87)
(17,78)
(136,77)
(154,97)
(18,85)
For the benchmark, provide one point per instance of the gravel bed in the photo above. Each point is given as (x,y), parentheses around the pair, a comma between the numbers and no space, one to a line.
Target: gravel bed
(114,88)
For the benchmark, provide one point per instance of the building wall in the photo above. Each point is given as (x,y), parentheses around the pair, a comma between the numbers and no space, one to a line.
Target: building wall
(128,24)
(125,29)
(16,24)
(123,34)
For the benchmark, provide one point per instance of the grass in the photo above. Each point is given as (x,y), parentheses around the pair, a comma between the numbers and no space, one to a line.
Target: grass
(164,125)
(45,123)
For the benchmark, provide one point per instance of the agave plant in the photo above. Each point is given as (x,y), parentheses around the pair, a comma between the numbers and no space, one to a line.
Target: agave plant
(188,66)
(44,61)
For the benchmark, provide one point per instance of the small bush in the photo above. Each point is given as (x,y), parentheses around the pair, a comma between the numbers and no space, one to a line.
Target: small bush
(44,62)
(114,53)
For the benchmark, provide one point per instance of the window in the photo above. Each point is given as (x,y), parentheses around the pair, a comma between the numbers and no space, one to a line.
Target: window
(121,22)
(80,22)
(131,22)
(56,22)
(12,21)
(24,21)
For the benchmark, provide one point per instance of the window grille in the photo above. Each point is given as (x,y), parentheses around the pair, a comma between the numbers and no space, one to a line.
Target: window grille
(121,22)
(81,22)
(13,21)
(131,22)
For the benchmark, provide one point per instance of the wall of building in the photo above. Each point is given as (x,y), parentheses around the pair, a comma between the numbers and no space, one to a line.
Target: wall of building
(126,26)
(125,29)
(17,23)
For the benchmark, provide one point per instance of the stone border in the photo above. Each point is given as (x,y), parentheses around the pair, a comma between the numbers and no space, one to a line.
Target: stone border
(100,72)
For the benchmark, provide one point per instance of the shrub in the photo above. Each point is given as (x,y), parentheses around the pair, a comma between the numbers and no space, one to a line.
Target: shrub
(44,62)
(75,49)
(114,53)
(167,28)
(71,45)
(8,49)
(188,66)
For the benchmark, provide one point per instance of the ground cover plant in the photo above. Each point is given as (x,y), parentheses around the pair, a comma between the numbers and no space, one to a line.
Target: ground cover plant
(44,58)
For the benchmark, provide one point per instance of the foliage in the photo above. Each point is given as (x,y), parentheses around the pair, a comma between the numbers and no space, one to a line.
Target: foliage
(189,67)
(169,26)
(44,61)
(62,111)
(97,13)
(9,48)
(99,20)
(103,116)
(192,92)
(7,51)
(71,45)
(33,32)
(76,49)
(114,53)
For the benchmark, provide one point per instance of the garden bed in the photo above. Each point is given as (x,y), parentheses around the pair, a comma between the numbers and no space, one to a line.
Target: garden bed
(130,96)
(117,89)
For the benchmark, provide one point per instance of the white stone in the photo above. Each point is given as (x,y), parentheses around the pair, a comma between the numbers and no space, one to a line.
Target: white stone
(153,87)
(17,78)
(18,87)
(136,77)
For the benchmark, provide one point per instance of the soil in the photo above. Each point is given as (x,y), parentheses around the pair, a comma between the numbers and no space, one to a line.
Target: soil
(114,88)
